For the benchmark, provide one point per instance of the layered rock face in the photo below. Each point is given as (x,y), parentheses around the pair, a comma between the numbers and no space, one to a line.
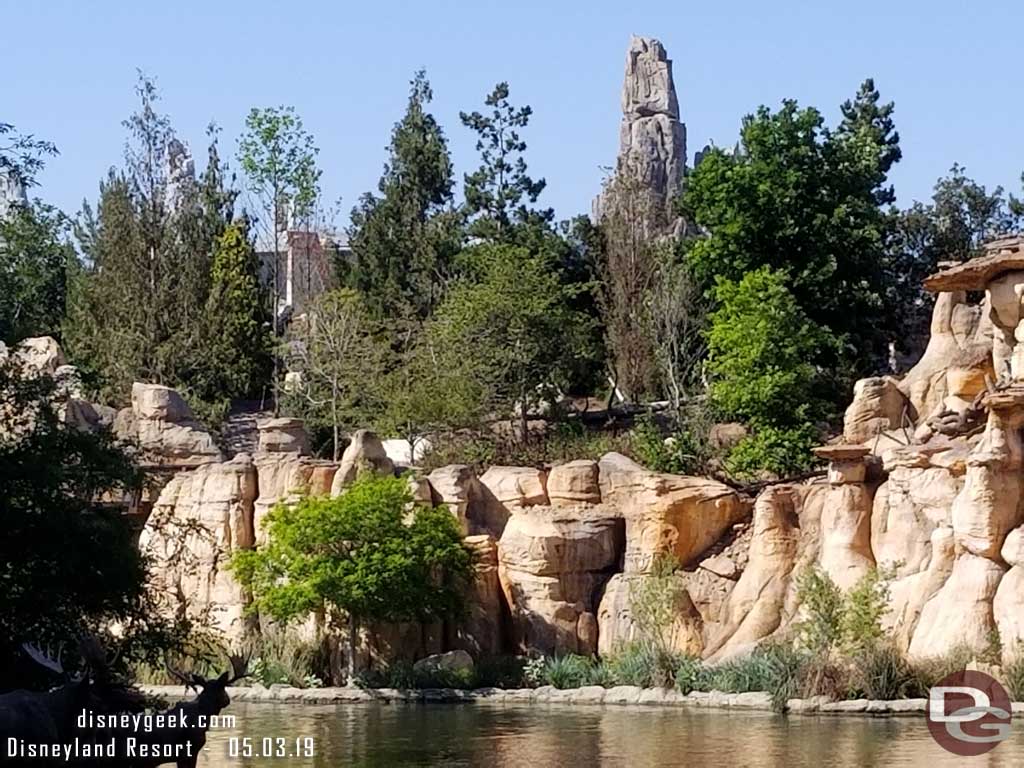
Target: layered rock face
(652,139)
(165,430)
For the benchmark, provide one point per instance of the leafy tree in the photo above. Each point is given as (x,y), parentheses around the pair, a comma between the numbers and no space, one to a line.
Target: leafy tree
(21,155)
(340,361)
(278,158)
(34,257)
(799,197)
(362,554)
(761,348)
(497,193)
(404,240)
(67,563)
(512,320)
(961,216)
(138,306)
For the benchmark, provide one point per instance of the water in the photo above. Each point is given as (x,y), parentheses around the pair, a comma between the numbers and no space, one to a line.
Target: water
(382,736)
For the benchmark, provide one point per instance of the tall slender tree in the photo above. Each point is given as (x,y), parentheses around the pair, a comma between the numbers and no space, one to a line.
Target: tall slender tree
(278,158)
(403,241)
(498,192)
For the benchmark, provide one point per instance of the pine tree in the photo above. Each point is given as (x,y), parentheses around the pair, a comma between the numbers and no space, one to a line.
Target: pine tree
(497,193)
(404,240)
(237,345)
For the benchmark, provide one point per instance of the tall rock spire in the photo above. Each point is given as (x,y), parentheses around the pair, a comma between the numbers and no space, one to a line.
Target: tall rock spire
(652,140)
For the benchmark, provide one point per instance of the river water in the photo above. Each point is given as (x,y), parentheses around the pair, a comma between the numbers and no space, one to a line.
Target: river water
(384,736)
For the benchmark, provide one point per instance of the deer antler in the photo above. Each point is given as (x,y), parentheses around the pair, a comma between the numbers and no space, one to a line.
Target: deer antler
(44,659)
(239,666)
(190,679)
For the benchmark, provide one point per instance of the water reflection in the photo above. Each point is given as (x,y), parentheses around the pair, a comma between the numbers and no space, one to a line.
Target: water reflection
(376,736)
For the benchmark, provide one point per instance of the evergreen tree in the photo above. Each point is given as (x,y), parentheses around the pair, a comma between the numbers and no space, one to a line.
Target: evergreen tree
(238,342)
(497,193)
(404,240)
(138,307)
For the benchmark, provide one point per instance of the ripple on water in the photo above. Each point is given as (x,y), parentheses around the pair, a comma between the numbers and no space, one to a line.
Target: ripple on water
(384,736)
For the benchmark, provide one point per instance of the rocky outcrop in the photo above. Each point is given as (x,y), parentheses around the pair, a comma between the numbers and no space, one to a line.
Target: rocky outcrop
(573,483)
(283,435)
(666,514)
(164,429)
(200,518)
(481,630)
(652,139)
(505,491)
(552,562)
(364,453)
(878,406)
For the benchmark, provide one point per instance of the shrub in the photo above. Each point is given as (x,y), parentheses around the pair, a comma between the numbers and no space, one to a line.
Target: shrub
(280,656)
(821,601)
(1013,673)
(865,604)
(882,672)
(645,665)
(689,674)
(569,671)
(928,672)
(501,672)
(773,450)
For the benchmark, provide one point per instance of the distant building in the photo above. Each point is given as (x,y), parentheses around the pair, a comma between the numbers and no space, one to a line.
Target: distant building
(305,266)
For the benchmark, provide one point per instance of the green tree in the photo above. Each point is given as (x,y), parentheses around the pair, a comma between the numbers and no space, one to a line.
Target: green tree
(362,554)
(278,158)
(404,240)
(512,319)
(497,193)
(799,197)
(34,259)
(137,307)
(237,344)
(761,347)
(340,359)
(21,154)
(67,563)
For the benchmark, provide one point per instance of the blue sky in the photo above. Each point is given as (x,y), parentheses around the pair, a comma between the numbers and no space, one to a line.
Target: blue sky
(953,69)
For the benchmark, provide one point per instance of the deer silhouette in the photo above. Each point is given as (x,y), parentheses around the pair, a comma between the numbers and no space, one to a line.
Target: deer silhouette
(181,742)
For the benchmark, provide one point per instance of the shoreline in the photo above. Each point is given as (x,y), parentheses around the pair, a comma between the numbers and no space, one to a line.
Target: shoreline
(587,696)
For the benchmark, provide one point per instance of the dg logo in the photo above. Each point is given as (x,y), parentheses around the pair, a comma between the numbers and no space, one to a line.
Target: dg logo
(969,713)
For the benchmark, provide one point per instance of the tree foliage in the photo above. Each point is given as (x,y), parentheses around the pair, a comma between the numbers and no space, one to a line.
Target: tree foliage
(362,553)
(499,191)
(512,320)
(403,241)
(34,259)
(67,564)
(799,197)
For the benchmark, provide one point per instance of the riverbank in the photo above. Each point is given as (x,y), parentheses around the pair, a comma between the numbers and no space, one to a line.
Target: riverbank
(591,695)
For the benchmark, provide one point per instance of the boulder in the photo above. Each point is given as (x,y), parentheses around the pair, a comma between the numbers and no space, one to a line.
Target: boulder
(666,514)
(878,405)
(552,563)
(165,430)
(458,663)
(199,520)
(457,487)
(284,477)
(41,354)
(364,453)
(575,482)
(283,435)
(506,490)
(960,613)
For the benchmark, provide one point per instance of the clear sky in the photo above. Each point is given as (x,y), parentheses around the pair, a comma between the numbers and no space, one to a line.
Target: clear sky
(954,70)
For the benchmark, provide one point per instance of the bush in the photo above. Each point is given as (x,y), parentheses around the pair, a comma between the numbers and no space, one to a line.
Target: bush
(684,451)
(821,601)
(501,672)
(882,672)
(279,656)
(569,671)
(928,672)
(689,674)
(645,665)
(780,669)
(1013,673)
(773,450)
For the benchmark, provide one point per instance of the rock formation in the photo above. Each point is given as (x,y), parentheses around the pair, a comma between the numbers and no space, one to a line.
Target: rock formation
(652,140)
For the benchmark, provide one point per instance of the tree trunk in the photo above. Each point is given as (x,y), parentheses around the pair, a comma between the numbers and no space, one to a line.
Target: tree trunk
(334,417)
(350,671)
